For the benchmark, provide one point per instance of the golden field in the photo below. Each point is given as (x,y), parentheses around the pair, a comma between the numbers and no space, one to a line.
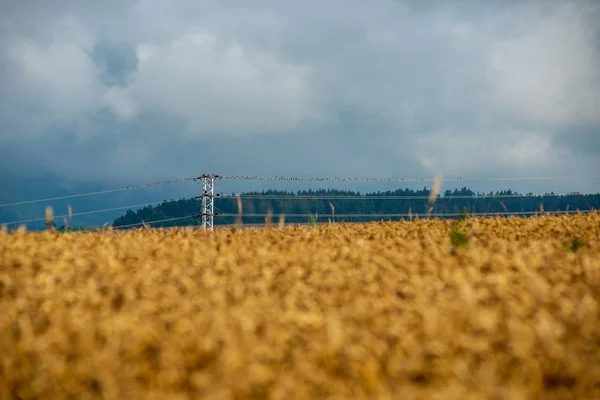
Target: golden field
(383,310)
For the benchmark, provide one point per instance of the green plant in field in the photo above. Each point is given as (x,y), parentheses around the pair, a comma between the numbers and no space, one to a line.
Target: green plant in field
(575,245)
(464,215)
(458,239)
(313,220)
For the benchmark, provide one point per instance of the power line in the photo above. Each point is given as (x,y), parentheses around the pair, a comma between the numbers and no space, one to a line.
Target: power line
(373,179)
(98,192)
(89,212)
(349,215)
(283,178)
(293,197)
(155,222)
(208,195)
(384,197)
(344,215)
(431,215)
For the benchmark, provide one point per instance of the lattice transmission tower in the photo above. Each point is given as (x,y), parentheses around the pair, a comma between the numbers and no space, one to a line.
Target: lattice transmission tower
(208,201)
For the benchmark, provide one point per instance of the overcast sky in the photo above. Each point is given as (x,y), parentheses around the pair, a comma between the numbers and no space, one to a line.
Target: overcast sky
(138,90)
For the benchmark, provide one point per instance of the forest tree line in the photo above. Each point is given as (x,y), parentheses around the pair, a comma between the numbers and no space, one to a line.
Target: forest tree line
(449,202)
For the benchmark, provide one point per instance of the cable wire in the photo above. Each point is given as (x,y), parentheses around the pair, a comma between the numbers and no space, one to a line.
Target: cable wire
(295,197)
(383,197)
(90,212)
(373,179)
(154,222)
(282,178)
(98,192)
(358,215)
(341,215)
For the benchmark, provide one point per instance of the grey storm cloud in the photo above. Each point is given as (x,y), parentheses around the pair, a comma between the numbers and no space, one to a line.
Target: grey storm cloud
(145,89)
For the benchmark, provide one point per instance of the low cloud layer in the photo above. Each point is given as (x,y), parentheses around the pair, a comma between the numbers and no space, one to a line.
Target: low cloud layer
(141,89)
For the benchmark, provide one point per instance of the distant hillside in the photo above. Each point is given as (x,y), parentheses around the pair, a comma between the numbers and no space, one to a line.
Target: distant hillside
(43,186)
(445,203)
(13,189)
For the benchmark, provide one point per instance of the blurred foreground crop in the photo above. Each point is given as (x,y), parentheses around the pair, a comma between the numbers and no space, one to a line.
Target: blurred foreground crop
(479,308)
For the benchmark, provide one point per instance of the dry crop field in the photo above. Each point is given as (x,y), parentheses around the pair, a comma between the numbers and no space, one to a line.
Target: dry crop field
(481,308)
